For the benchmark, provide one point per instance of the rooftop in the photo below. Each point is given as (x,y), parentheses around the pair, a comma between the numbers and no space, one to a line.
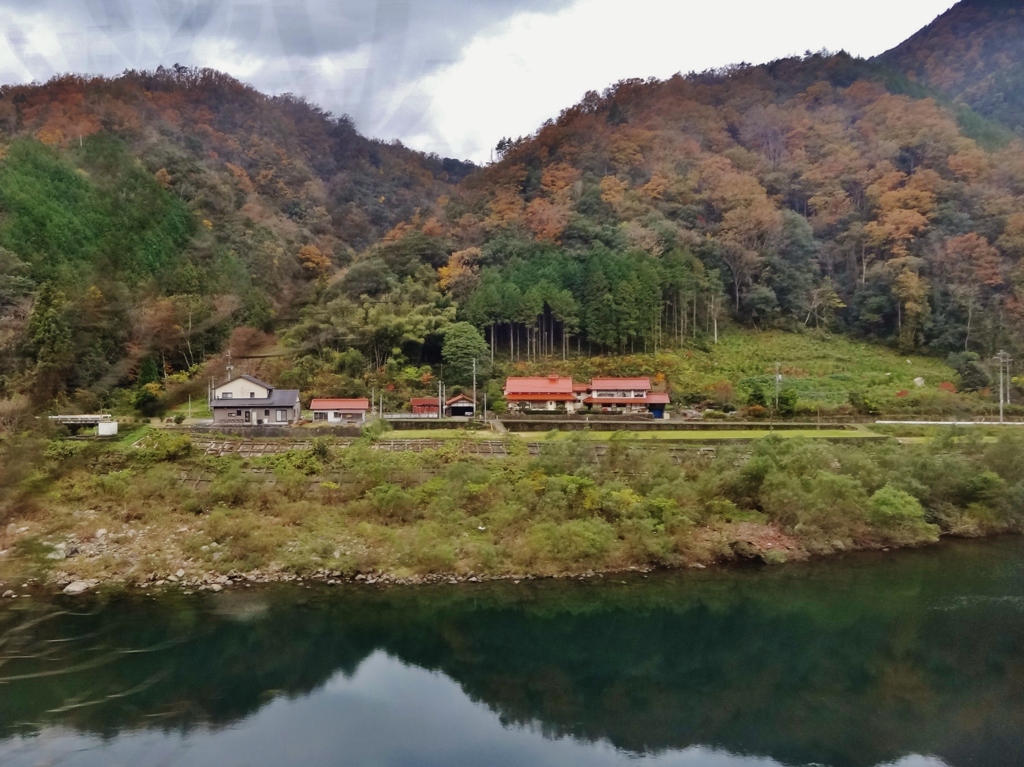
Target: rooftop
(277,398)
(250,379)
(340,404)
(539,385)
(618,384)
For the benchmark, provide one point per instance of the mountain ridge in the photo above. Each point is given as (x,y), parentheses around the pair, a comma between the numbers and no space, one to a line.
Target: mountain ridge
(973,54)
(825,191)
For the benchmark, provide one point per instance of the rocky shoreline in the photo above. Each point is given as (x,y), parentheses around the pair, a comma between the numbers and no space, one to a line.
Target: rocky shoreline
(212,582)
(215,583)
(123,559)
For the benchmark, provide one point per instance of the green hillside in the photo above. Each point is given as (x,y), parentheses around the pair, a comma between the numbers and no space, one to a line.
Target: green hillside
(712,224)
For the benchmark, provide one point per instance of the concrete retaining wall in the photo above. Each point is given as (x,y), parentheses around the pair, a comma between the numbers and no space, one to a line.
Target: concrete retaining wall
(582,424)
(281,432)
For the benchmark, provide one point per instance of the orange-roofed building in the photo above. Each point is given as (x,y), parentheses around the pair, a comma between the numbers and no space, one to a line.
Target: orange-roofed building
(340,411)
(540,393)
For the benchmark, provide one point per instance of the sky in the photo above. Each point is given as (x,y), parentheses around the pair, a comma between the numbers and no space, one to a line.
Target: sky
(445,76)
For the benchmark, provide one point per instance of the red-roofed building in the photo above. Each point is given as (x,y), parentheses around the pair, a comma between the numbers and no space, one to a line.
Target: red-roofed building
(619,395)
(425,406)
(657,401)
(624,395)
(339,410)
(540,393)
(460,406)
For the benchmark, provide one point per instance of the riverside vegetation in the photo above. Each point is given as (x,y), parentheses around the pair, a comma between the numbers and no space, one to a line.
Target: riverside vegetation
(157,228)
(75,510)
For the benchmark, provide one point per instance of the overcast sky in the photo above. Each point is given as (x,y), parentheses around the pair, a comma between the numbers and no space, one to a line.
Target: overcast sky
(446,76)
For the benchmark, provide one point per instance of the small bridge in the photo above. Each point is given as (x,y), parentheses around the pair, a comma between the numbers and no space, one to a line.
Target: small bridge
(76,422)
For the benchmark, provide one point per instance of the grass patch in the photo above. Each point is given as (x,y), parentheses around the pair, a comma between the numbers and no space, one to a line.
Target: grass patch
(439,434)
(714,435)
(823,369)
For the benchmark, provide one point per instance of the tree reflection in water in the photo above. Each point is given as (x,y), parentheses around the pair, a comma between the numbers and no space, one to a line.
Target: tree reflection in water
(862,662)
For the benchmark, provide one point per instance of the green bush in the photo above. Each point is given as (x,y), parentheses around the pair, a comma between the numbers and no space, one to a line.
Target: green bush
(64,450)
(391,501)
(891,507)
(788,398)
(231,488)
(577,542)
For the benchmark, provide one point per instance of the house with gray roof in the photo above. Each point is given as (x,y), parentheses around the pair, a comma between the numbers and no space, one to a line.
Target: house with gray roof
(248,401)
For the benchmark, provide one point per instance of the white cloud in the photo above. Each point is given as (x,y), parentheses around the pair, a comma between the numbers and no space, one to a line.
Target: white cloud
(510,81)
(449,76)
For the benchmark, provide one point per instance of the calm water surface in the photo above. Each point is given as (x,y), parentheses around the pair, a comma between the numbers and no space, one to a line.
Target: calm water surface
(914,659)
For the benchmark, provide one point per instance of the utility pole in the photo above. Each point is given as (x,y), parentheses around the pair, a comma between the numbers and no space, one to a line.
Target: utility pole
(1004,382)
(1001,357)
(774,410)
(778,380)
(474,388)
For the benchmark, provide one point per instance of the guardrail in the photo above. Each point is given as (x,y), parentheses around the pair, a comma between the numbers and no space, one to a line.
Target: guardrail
(81,419)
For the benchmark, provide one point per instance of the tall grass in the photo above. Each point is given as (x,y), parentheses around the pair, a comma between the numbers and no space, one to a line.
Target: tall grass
(566,510)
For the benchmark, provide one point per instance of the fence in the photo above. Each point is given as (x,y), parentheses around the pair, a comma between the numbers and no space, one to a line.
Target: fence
(582,424)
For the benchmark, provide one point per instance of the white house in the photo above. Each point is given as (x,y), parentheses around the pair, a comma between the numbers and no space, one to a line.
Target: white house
(248,401)
(339,411)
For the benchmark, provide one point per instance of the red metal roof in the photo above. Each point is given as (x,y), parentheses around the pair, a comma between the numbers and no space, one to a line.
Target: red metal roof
(620,384)
(658,398)
(541,397)
(538,385)
(459,398)
(640,401)
(581,387)
(340,404)
(423,401)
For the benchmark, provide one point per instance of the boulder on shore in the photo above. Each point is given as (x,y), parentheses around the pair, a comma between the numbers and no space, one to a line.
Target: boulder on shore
(77,587)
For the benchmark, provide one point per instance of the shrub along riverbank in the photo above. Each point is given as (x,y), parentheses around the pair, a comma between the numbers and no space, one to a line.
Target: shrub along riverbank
(77,510)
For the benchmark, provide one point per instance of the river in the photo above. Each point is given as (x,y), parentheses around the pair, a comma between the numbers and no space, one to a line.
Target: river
(912,658)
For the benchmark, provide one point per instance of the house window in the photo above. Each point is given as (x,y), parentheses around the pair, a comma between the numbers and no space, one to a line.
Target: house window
(227,395)
(238,412)
(319,416)
(282,416)
(252,395)
(338,415)
(266,413)
(248,416)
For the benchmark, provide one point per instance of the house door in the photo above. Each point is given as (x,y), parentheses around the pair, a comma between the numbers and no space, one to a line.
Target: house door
(248,416)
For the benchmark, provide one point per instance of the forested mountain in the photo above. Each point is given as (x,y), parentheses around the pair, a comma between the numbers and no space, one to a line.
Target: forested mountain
(806,192)
(973,53)
(146,215)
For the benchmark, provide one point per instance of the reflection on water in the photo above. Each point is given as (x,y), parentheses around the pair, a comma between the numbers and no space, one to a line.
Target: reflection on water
(915,660)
